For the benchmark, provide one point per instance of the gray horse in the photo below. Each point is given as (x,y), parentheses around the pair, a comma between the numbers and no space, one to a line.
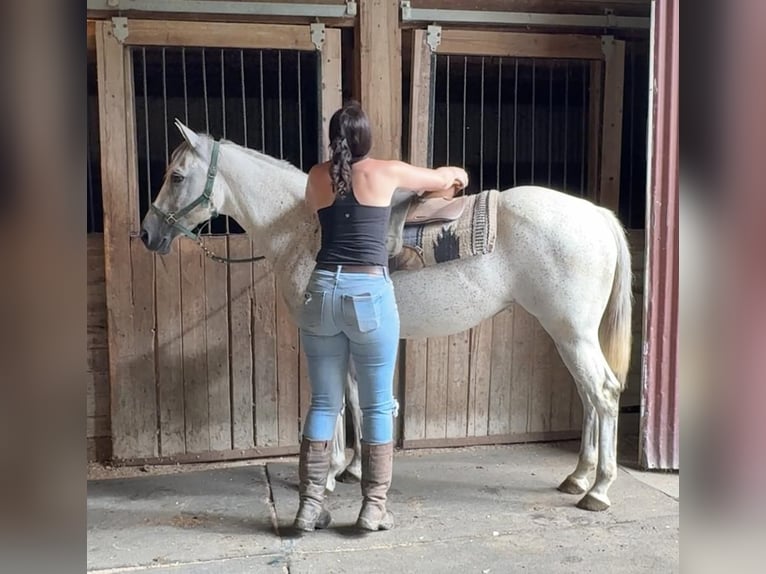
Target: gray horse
(563,259)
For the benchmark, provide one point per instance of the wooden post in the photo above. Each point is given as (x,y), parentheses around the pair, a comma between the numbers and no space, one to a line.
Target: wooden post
(332,95)
(614,60)
(133,402)
(380,73)
(595,110)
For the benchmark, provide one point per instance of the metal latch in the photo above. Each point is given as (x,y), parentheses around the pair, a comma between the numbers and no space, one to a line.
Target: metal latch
(350,8)
(317,35)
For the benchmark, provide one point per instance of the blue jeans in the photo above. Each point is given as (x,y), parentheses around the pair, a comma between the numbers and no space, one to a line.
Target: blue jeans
(350,315)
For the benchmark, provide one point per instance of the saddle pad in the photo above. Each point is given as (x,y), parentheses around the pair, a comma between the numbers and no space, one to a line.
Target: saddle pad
(472,234)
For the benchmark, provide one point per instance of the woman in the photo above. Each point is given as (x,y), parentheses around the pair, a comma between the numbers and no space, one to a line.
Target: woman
(349,310)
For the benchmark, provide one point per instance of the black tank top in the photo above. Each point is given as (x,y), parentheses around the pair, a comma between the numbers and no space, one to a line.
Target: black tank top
(352,233)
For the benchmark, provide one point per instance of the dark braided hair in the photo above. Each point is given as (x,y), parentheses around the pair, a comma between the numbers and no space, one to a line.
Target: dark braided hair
(350,141)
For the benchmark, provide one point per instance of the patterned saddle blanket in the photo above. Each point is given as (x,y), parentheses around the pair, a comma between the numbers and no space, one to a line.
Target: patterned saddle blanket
(426,232)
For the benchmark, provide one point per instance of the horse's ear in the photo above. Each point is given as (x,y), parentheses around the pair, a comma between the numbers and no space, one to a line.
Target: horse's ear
(189,135)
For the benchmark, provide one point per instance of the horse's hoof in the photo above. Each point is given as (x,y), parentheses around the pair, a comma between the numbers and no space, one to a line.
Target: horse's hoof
(573,486)
(590,502)
(347,478)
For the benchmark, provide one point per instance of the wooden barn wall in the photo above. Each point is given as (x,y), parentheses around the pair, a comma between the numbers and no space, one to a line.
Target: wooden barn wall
(98,427)
(499,382)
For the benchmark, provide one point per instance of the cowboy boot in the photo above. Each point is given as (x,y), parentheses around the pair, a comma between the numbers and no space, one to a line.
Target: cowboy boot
(377,467)
(313,467)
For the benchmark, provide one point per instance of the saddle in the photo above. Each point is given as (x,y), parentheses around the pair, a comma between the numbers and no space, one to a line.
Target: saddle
(412,212)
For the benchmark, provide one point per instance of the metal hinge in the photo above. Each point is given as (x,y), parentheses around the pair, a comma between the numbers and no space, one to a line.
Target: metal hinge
(317,35)
(120,29)
(434,37)
(350,8)
(607,47)
(406,9)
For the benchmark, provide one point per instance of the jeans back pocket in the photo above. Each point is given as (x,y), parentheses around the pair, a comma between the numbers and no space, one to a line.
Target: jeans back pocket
(311,314)
(362,311)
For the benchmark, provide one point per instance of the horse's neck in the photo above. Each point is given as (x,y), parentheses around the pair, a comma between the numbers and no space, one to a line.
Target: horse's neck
(269,206)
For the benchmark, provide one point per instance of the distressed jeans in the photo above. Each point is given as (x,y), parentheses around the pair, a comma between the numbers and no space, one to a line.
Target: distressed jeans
(350,315)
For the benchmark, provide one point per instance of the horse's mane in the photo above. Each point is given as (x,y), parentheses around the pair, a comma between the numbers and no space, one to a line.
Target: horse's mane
(184,147)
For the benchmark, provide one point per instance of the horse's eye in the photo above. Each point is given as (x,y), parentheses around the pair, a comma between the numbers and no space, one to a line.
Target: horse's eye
(176,178)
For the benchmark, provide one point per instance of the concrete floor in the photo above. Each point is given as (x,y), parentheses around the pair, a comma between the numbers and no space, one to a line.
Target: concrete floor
(480,509)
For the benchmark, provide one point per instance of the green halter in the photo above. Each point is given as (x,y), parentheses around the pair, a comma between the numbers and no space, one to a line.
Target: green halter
(172,217)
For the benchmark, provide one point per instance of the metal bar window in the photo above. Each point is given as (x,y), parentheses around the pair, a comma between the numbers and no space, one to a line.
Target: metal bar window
(224,93)
(530,115)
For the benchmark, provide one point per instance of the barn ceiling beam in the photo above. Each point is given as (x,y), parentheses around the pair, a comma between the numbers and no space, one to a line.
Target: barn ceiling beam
(347,9)
(606,21)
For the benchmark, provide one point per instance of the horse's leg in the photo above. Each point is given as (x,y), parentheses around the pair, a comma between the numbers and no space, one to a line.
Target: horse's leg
(597,382)
(338,456)
(577,482)
(353,472)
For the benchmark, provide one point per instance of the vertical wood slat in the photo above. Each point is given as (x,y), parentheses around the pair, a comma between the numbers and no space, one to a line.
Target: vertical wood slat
(240,317)
(193,312)
(522,371)
(611,150)
(170,352)
(380,72)
(436,387)
(217,347)
(500,373)
(331,84)
(540,383)
(265,356)
(457,384)
(594,129)
(415,352)
(131,436)
(479,379)
(287,375)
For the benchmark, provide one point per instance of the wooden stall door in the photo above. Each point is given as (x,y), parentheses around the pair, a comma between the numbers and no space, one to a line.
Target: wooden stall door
(503,381)
(204,359)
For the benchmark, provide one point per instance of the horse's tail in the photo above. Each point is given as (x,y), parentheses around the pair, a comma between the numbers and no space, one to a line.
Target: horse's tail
(614,333)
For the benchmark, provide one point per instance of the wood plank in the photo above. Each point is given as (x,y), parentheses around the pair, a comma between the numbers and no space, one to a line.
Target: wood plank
(611,155)
(331,84)
(595,109)
(480,372)
(541,388)
(99,449)
(143,383)
(522,360)
(113,134)
(415,369)
(219,35)
(436,387)
(500,373)
(304,389)
(562,393)
(97,426)
(170,352)
(457,384)
(380,73)
(217,346)
(287,375)
(265,356)
(215,456)
(415,352)
(420,102)
(493,439)
(519,44)
(194,347)
(241,307)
